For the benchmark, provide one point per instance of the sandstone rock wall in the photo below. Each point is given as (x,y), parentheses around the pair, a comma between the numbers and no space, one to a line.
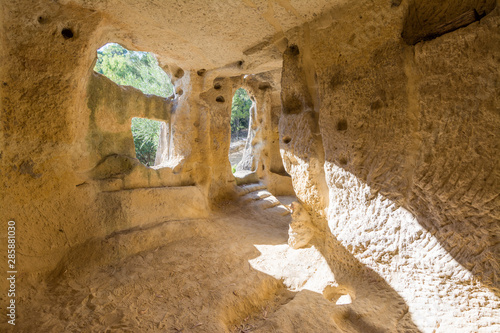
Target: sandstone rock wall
(392,147)
(68,166)
(110,152)
(69,172)
(44,76)
(394,150)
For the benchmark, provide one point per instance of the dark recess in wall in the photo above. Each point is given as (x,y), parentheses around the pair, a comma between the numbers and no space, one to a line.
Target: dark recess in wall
(426,19)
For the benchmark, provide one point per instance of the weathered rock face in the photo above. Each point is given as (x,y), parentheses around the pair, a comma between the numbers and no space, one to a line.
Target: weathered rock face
(67,149)
(405,138)
(383,115)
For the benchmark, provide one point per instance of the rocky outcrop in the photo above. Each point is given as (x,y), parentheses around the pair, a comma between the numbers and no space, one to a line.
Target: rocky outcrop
(403,137)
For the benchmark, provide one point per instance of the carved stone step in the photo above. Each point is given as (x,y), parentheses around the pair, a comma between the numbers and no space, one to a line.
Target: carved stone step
(256,195)
(244,189)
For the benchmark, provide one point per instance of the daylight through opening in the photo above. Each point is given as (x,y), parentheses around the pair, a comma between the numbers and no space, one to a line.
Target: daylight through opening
(141,71)
(240,120)
(146,133)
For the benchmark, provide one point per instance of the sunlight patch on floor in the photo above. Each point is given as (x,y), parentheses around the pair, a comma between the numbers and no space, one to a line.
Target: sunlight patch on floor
(299,269)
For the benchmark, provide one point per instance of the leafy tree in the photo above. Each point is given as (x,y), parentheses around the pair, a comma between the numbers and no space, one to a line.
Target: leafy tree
(139,70)
(146,133)
(240,111)
(133,68)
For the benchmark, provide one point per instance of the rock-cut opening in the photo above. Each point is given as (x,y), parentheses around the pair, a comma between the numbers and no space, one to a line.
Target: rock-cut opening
(133,68)
(240,120)
(141,71)
(146,133)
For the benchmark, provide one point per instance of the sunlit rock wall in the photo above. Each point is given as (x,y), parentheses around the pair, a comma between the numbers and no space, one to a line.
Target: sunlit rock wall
(44,117)
(394,150)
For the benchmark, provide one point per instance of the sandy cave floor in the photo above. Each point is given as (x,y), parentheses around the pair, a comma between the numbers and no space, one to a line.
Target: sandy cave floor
(215,279)
(203,283)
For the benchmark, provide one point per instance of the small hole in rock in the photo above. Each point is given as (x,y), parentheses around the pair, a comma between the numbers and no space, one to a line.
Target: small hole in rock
(342,125)
(336,80)
(179,73)
(294,50)
(344,300)
(343,161)
(240,63)
(217,86)
(287,139)
(179,92)
(67,33)
(395,3)
(201,72)
(264,86)
(42,20)
(378,104)
(339,295)
(220,99)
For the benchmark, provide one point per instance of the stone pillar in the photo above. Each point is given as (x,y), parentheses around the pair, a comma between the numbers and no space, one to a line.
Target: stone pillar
(216,105)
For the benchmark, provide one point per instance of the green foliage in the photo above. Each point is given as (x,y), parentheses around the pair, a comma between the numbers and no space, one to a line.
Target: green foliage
(146,133)
(139,70)
(240,111)
(132,68)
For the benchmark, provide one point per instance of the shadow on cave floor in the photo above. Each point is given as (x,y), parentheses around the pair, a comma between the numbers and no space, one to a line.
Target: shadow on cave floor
(207,282)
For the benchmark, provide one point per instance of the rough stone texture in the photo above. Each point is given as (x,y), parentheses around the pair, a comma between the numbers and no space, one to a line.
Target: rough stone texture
(410,136)
(66,132)
(300,231)
(207,35)
(234,271)
(392,150)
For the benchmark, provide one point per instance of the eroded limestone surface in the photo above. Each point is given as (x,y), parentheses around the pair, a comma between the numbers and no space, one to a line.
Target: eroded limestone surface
(382,118)
(407,140)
